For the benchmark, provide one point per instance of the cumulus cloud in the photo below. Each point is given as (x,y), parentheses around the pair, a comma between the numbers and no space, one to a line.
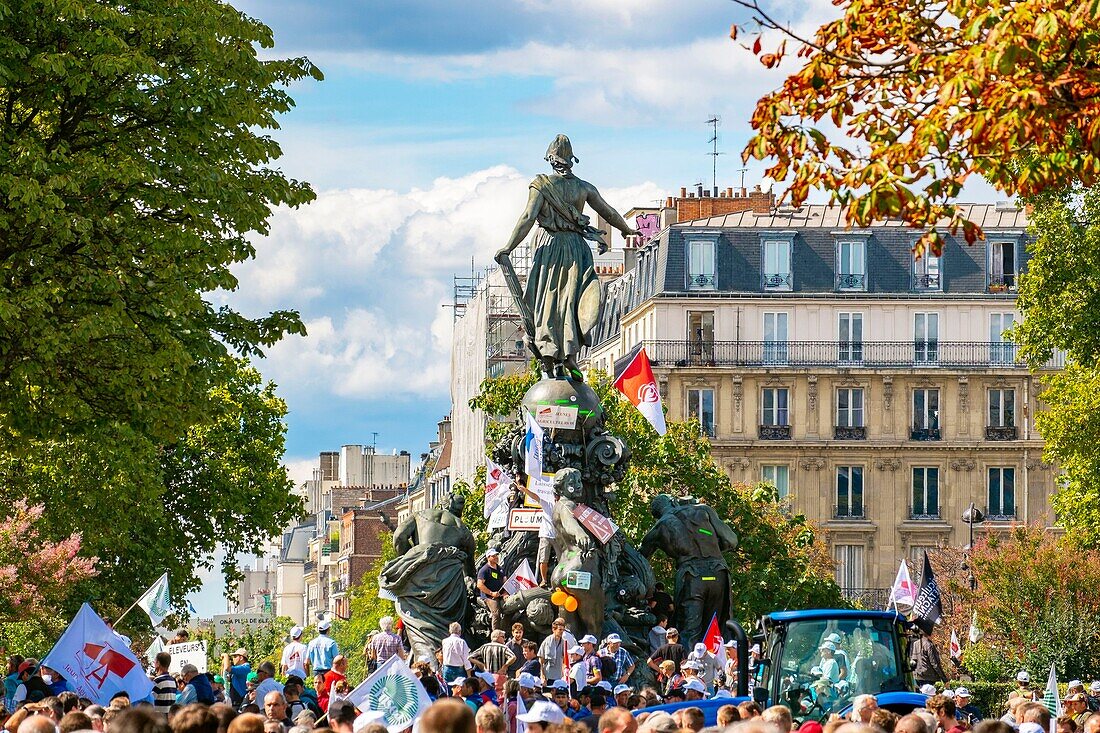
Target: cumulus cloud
(371,271)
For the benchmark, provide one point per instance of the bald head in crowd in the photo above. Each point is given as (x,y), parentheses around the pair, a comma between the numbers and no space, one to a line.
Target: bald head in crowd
(447,716)
(37,724)
(617,720)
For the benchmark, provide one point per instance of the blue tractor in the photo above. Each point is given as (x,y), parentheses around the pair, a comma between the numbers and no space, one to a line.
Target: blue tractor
(817,662)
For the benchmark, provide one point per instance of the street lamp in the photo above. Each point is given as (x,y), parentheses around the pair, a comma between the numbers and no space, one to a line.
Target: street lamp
(973,515)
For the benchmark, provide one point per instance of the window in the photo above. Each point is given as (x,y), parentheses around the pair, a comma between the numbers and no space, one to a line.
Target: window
(701,336)
(849,492)
(850,338)
(1002,266)
(849,407)
(1001,350)
(777,264)
(774,411)
(1002,408)
(851,270)
(926,336)
(701,265)
(701,408)
(1002,493)
(926,272)
(926,493)
(926,414)
(775,338)
(779,477)
(849,566)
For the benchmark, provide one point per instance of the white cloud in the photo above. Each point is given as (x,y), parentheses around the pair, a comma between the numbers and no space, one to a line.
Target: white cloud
(371,270)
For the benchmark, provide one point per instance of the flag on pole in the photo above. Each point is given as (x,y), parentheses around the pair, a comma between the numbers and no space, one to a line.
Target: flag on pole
(714,642)
(928,607)
(640,387)
(96,662)
(903,592)
(521,578)
(156,601)
(155,648)
(498,487)
(955,648)
(1051,698)
(395,691)
(532,448)
(975,632)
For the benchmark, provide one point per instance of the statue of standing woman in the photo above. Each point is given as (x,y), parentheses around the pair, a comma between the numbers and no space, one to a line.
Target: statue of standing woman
(561,303)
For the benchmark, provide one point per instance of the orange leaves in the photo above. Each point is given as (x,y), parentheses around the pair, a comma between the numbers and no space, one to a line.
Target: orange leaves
(733,32)
(757,45)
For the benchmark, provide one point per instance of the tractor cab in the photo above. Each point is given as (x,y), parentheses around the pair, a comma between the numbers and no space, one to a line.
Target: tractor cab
(817,662)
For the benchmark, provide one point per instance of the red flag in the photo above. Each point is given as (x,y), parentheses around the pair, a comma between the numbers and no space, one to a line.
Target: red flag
(640,387)
(713,640)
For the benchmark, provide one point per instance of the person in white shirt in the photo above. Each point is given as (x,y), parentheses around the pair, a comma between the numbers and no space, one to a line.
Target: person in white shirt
(456,654)
(294,655)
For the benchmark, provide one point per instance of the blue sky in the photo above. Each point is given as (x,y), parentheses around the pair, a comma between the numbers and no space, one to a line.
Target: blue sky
(432,119)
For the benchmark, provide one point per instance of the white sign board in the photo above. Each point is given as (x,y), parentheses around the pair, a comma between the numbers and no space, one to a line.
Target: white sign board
(189,652)
(578,580)
(562,417)
(525,520)
(235,624)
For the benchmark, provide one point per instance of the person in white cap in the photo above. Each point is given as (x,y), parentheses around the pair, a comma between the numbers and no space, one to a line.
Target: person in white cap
(694,689)
(322,649)
(528,683)
(490,582)
(709,666)
(1023,685)
(621,693)
(829,666)
(294,655)
(541,716)
(578,671)
(1094,696)
(964,705)
(624,663)
(590,659)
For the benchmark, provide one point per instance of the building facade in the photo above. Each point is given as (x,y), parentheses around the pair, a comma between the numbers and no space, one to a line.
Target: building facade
(876,389)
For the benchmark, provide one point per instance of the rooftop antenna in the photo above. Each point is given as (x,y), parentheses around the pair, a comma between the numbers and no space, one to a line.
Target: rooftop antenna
(743,172)
(714,121)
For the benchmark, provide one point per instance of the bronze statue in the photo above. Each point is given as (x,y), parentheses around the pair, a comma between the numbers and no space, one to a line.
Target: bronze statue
(562,301)
(431,573)
(694,538)
(580,567)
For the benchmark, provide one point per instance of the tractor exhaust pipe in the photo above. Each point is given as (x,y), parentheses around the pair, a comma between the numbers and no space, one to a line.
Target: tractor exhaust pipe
(742,640)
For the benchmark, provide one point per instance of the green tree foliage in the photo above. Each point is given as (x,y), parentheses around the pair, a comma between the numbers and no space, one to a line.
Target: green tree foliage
(263,644)
(367,609)
(1060,299)
(1037,599)
(781,552)
(144,508)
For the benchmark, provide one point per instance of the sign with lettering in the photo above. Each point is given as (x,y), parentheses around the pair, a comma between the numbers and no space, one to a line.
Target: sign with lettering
(578,580)
(525,520)
(235,624)
(190,652)
(561,417)
(600,526)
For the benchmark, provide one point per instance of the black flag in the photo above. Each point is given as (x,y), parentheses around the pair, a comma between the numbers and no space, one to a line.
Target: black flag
(928,609)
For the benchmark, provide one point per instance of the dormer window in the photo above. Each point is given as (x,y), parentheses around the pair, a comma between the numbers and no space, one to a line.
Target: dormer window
(777,264)
(701,271)
(927,273)
(851,265)
(1002,266)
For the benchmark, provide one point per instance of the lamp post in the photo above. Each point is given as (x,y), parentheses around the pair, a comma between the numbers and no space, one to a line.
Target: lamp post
(973,515)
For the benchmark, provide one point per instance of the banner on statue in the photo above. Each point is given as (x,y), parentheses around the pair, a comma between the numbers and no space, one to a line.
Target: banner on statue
(600,526)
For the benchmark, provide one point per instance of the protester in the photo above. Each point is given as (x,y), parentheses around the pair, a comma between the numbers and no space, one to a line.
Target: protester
(490,583)
(322,650)
(144,719)
(943,708)
(671,651)
(449,716)
(385,643)
(266,682)
(337,674)
(489,719)
(552,653)
(515,645)
(623,663)
(970,712)
(235,668)
(275,709)
(494,656)
(293,661)
(456,654)
(196,687)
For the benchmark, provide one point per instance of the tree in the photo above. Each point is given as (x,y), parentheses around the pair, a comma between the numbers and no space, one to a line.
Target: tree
(144,508)
(36,574)
(897,104)
(134,167)
(366,610)
(781,553)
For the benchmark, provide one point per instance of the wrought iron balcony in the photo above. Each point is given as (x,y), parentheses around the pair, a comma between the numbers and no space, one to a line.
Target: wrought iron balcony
(777,281)
(924,514)
(846,354)
(848,512)
(1000,432)
(1000,514)
(775,432)
(854,281)
(925,434)
(1001,283)
(867,598)
(850,433)
(702,282)
(926,282)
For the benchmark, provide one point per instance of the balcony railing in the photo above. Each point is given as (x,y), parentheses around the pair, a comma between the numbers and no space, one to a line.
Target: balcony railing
(926,282)
(868,598)
(854,281)
(309,567)
(871,354)
(1001,283)
(1000,432)
(1001,514)
(775,432)
(850,433)
(777,281)
(924,514)
(848,512)
(925,434)
(702,282)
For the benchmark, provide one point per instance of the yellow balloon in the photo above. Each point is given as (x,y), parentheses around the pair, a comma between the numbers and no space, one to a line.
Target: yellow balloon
(571,604)
(558,597)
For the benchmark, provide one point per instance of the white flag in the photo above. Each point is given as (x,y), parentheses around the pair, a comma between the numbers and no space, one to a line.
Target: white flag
(532,448)
(975,633)
(498,487)
(96,662)
(1051,698)
(155,648)
(394,691)
(521,578)
(156,601)
(521,709)
(955,648)
(902,592)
